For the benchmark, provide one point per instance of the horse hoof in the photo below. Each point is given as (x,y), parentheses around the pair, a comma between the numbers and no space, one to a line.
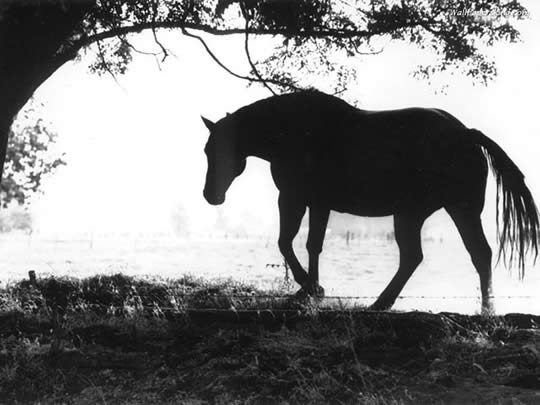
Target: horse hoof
(301,294)
(310,290)
(488,309)
(318,292)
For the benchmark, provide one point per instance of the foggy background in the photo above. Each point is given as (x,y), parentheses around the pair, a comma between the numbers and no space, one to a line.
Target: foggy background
(130,197)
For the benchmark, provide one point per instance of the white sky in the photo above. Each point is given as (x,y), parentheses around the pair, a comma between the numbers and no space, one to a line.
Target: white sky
(135,151)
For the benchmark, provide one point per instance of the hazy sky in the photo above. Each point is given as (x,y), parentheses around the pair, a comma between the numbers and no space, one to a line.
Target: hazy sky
(135,149)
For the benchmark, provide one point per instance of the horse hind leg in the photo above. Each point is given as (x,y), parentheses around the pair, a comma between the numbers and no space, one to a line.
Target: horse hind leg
(408,238)
(469,225)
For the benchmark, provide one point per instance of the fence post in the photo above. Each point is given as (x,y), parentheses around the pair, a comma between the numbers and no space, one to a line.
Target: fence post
(32,278)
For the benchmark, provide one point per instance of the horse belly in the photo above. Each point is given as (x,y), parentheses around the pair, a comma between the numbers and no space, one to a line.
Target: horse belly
(382,193)
(358,196)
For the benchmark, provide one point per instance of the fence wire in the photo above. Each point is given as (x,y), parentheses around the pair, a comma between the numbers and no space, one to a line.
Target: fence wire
(179,304)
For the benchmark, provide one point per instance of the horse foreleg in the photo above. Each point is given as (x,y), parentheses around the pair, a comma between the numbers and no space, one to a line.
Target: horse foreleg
(318,220)
(407,230)
(291,212)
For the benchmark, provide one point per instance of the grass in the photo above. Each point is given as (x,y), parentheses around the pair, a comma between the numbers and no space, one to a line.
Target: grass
(120,293)
(121,340)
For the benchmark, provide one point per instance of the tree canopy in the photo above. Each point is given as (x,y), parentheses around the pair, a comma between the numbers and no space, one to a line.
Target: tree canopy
(455,31)
(310,31)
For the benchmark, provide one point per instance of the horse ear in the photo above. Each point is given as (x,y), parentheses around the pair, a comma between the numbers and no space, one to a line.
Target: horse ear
(209,124)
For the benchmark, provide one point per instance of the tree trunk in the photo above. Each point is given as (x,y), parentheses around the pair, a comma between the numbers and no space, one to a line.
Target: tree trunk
(33,36)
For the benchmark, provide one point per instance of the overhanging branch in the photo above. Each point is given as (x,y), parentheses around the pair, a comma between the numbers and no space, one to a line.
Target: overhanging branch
(154,28)
(349,36)
(137,28)
(228,70)
(248,55)
(182,24)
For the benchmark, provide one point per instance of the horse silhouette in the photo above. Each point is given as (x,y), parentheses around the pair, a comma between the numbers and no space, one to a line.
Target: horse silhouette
(328,155)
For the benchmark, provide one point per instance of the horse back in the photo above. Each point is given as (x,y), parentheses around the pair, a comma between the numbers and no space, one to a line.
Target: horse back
(373,162)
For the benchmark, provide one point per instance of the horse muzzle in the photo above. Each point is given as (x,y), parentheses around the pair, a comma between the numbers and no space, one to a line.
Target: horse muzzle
(214,199)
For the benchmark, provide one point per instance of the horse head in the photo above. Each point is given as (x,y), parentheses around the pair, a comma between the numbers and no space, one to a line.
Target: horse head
(225,160)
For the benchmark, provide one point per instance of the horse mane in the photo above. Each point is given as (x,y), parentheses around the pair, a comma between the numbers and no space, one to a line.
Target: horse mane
(268,107)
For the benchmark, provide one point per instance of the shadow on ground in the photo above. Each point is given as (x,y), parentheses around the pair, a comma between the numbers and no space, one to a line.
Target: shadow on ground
(119,340)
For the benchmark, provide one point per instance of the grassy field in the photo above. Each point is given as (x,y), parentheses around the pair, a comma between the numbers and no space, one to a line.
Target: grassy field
(361,268)
(119,340)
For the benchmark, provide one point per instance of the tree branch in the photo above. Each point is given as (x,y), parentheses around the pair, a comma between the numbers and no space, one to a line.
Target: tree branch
(224,67)
(137,28)
(87,40)
(156,40)
(148,53)
(105,64)
(248,55)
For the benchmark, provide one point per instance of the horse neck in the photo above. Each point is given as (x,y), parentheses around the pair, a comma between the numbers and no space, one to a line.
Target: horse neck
(253,141)
(258,146)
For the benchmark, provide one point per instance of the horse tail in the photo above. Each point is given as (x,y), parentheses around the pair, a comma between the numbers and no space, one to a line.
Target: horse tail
(518,227)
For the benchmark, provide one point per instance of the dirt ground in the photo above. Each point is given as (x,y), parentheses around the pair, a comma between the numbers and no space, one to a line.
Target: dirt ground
(298,353)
